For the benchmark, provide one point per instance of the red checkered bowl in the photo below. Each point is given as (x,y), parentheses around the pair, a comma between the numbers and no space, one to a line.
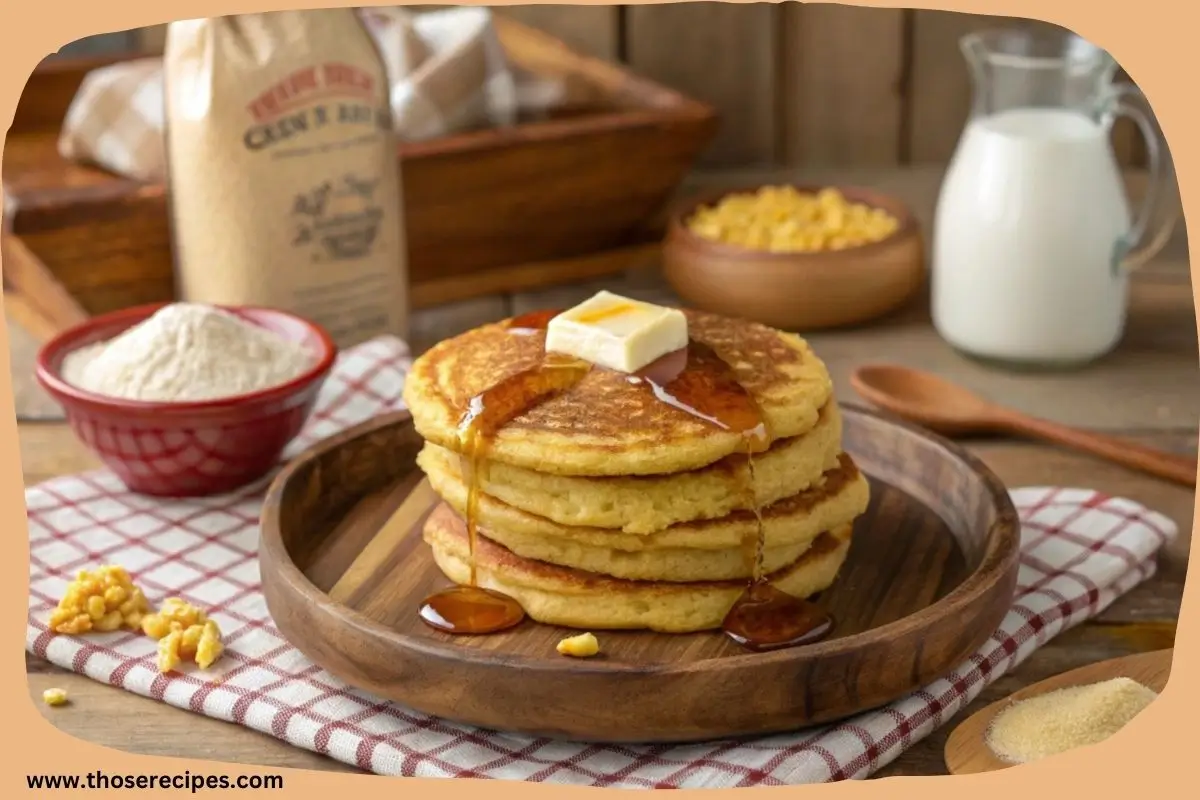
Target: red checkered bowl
(188,449)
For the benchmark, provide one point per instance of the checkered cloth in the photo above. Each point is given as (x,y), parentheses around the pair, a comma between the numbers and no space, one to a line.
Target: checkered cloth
(447,69)
(115,120)
(1081,550)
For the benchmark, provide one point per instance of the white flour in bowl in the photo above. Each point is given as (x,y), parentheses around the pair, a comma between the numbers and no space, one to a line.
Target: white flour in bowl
(187,352)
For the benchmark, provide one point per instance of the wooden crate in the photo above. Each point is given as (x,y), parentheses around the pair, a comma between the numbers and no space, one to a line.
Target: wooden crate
(572,196)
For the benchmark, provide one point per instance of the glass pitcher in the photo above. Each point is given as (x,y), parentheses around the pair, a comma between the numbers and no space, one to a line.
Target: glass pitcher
(1033,235)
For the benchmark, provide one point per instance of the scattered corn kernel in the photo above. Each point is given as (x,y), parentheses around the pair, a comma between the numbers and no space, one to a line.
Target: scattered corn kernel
(168,651)
(91,600)
(183,632)
(189,641)
(175,615)
(154,626)
(106,600)
(54,697)
(134,603)
(584,645)
(184,613)
(210,647)
(783,219)
(114,596)
(109,622)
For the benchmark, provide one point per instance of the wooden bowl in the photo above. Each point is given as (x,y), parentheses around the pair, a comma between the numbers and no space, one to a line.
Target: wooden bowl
(930,574)
(797,291)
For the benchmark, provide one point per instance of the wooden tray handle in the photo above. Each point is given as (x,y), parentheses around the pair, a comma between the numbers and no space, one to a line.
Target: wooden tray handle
(33,297)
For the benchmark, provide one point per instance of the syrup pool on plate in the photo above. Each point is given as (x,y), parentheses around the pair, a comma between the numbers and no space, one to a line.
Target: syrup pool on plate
(700,383)
(473,609)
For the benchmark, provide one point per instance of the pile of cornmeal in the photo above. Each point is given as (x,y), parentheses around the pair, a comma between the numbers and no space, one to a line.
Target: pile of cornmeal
(606,507)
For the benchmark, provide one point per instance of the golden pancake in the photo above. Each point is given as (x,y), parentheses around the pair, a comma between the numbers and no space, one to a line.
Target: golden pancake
(605,425)
(644,504)
(572,598)
(707,550)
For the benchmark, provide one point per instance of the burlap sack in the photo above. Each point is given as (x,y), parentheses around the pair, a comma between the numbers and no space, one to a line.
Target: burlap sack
(282,166)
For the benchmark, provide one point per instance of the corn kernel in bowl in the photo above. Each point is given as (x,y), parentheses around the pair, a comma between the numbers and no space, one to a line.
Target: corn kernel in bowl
(784,219)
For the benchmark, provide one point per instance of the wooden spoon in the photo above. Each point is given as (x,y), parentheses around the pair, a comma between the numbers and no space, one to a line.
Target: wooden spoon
(948,408)
(967,750)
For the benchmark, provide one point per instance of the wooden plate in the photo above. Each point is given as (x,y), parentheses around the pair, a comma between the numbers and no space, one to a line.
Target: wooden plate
(930,574)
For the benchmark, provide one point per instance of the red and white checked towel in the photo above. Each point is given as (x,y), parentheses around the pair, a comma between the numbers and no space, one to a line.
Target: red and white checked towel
(1082,550)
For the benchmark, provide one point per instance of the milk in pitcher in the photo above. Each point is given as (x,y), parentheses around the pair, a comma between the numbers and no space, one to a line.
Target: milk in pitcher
(1033,236)
(1030,213)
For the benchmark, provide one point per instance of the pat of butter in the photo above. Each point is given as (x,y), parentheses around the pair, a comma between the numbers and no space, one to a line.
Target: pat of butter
(616,332)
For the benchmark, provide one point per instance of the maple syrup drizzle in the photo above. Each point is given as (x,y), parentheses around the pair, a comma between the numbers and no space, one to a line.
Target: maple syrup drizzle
(471,609)
(699,382)
(533,322)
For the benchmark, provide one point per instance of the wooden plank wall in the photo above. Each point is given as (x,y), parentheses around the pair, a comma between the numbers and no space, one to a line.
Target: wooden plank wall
(801,83)
(796,83)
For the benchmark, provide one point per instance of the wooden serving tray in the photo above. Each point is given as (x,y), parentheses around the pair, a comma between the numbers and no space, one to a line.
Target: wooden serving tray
(32,297)
(574,196)
(37,308)
(930,574)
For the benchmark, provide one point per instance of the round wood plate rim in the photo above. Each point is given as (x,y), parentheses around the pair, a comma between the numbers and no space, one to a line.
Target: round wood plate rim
(1000,557)
(970,732)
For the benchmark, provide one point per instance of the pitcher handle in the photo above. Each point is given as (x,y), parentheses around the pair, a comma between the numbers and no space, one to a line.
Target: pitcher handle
(1146,237)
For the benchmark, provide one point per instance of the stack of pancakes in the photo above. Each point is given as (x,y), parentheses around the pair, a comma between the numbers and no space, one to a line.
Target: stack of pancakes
(604,507)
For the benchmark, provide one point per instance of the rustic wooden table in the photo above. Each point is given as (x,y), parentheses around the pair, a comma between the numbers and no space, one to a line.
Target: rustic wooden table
(1149,390)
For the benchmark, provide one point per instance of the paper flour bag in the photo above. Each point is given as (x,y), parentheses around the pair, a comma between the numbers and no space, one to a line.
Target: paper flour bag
(282,166)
